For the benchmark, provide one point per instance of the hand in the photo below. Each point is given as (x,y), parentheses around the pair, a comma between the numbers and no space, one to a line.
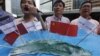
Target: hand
(33,10)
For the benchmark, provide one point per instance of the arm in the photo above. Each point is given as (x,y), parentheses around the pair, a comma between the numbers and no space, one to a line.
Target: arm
(41,20)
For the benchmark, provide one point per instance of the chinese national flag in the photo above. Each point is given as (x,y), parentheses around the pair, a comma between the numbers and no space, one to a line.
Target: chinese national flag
(72,31)
(11,37)
(21,29)
(58,27)
(7,26)
(63,28)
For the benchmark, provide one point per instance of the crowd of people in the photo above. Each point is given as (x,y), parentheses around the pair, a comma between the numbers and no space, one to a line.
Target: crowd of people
(30,15)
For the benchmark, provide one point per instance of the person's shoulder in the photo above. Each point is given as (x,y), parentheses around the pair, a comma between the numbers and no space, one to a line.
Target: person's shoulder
(66,19)
(49,18)
(74,21)
(94,21)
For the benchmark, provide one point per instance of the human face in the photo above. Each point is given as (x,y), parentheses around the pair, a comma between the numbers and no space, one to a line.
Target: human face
(58,8)
(28,7)
(86,9)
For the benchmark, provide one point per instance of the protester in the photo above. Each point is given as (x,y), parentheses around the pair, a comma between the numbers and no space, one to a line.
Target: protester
(30,15)
(58,8)
(85,20)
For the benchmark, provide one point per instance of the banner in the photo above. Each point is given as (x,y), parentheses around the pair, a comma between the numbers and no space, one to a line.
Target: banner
(90,43)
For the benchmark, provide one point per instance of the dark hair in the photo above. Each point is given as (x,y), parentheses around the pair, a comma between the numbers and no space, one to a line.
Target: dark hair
(32,1)
(59,1)
(85,3)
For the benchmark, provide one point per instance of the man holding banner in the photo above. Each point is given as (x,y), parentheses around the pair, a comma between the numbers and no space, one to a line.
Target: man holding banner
(85,21)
